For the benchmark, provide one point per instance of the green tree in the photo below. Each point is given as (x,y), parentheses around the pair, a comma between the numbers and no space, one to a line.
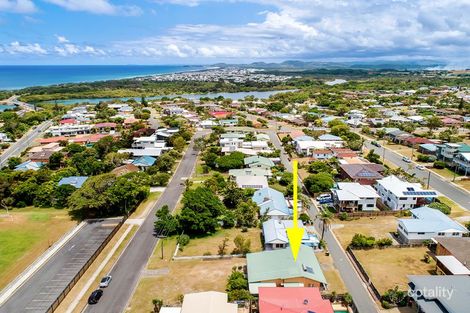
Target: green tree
(433,122)
(166,222)
(55,160)
(61,195)
(165,163)
(319,182)
(319,166)
(178,143)
(231,161)
(325,218)
(246,214)
(200,211)
(242,245)
(286,178)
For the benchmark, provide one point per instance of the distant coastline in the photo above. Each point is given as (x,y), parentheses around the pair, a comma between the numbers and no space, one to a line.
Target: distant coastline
(13,77)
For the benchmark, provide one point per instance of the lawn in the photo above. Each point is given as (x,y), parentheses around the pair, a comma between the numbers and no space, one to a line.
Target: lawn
(146,205)
(444,172)
(464,183)
(168,280)
(388,268)
(210,244)
(25,235)
(335,283)
(379,227)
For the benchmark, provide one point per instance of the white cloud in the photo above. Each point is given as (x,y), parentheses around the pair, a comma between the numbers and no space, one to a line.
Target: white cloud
(97,7)
(323,29)
(61,39)
(17,6)
(20,48)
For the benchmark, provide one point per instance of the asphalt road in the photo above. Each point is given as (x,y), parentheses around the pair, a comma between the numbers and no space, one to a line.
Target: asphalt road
(40,291)
(435,182)
(126,272)
(24,142)
(356,287)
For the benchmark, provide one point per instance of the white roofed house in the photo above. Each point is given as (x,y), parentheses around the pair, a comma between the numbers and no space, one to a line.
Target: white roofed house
(402,195)
(252,182)
(352,197)
(70,129)
(4,138)
(427,223)
(306,147)
(275,234)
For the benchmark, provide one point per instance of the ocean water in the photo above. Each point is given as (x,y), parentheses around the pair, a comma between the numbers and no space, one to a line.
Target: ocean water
(21,76)
(231,95)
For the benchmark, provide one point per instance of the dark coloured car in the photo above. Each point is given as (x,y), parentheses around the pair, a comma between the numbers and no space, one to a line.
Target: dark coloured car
(95,296)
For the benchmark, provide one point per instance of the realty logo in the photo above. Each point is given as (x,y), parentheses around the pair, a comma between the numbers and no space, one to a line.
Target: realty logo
(432,293)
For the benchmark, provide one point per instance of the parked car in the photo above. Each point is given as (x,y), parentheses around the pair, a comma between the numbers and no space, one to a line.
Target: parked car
(324,198)
(406,159)
(375,143)
(95,296)
(105,281)
(421,167)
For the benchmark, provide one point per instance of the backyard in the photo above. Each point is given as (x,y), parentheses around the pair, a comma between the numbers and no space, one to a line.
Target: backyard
(168,280)
(25,234)
(379,227)
(389,267)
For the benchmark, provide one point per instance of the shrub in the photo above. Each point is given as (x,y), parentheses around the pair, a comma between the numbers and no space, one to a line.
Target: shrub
(343,216)
(384,242)
(183,240)
(362,241)
(386,305)
(395,297)
(444,208)
(439,164)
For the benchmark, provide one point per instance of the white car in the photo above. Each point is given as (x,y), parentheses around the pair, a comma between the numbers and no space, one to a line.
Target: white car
(406,159)
(421,167)
(105,281)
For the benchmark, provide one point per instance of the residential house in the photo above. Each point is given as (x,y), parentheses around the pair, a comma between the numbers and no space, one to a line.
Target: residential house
(416,141)
(152,152)
(292,300)
(275,234)
(445,293)
(164,134)
(277,268)
(402,195)
(352,197)
(453,255)
(271,203)
(144,162)
(106,127)
(148,142)
(258,162)
(173,110)
(364,173)
(462,162)
(4,138)
(42,156)
(53,146)
(204,302)
(28,165)
(250,172)
(228,122)
(427,148)
(70,130)
(306,148)
(322,154)
(75,181)
(252,182)
(427,223)
(125,169)
(220,114)
(208,124)
(447,151)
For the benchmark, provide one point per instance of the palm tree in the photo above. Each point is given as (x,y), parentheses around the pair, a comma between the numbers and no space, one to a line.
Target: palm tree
(157,305)
(325,217)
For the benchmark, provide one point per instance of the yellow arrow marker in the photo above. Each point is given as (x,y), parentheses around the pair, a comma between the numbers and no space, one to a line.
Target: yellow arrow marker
(295,233)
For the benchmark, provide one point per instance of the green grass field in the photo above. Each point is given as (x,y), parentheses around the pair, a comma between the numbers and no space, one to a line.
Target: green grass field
(25,235)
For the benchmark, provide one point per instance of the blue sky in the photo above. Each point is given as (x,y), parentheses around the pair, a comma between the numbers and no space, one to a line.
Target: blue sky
(232,31)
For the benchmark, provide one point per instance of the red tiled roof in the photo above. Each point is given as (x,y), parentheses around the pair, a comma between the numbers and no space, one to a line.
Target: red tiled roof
(292,300)
(102,125)
(68,121)
(45,141)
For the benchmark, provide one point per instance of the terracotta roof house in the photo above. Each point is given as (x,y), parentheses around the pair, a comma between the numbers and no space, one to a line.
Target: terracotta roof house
(125,169)
(292,300)
(416,141)
(45,141)
(277,268)
(42,156)
(365,174)
(453,255)
(220,114)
